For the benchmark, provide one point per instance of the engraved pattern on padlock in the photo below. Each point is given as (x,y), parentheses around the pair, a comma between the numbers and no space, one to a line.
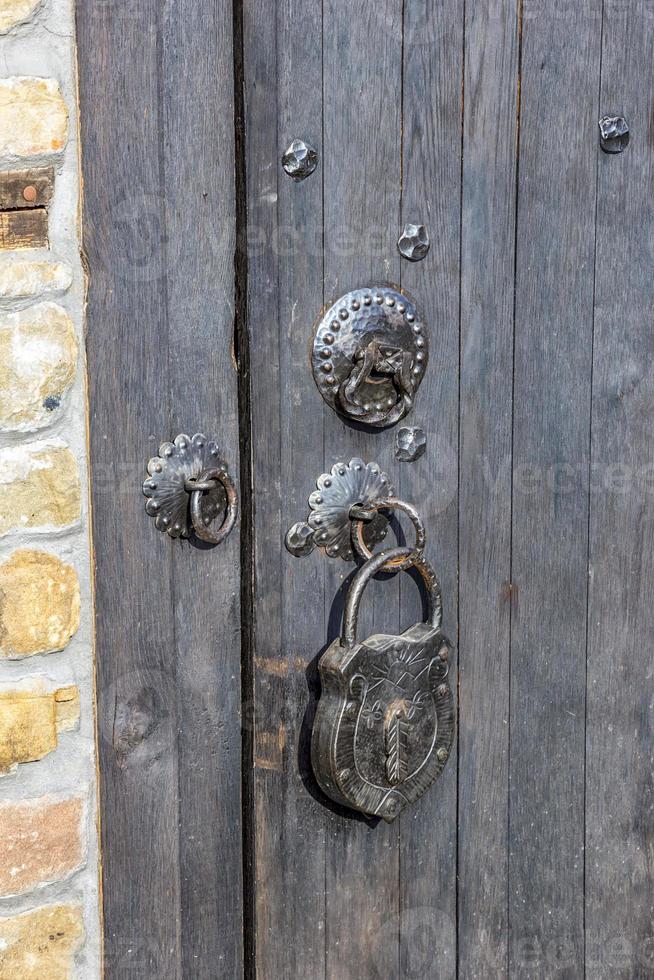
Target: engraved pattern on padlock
(385,720)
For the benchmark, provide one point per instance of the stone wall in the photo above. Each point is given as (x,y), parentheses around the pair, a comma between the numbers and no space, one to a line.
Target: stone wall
(49,907)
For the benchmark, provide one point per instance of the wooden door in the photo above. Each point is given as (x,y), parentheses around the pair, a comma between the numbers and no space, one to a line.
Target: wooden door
(531,856)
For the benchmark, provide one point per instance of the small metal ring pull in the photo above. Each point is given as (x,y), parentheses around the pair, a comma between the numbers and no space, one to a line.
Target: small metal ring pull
(377,563)
(188,487)
(361,514)
(207,482)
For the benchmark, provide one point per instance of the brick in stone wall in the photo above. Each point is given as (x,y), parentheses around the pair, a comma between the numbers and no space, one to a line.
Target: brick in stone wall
(33,117)
(38,359)
(41,945)
(41,841)
(39,604)
(39,486)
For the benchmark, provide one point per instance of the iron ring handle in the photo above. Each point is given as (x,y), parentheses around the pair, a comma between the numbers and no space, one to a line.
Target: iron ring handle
(197,489)
(376,564)
(392,503)
(348,394)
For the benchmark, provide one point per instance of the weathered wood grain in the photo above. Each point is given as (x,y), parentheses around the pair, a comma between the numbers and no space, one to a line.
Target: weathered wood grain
(487,277)
(197,132)
(127,349)
(503,170)
(553,337)
(362,79)
(619,784)
(24,229)
(283,100)
(159,236)
(26,188)
(431,193)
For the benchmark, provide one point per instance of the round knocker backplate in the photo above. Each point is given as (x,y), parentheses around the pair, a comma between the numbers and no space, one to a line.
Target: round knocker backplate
(369,355)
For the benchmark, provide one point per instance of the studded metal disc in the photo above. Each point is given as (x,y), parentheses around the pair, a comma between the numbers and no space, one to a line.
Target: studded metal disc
(168,499)
(329,526)
(370,353)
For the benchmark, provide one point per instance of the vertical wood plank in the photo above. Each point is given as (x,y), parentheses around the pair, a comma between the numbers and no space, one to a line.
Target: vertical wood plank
(431,194)
(158,125)
(197,82)
(127,337)
(283,98)
(362,174)
(553,334)
(487,278)
(619,787)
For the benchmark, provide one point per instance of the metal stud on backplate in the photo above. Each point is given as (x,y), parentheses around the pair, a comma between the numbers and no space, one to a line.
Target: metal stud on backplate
(370,353)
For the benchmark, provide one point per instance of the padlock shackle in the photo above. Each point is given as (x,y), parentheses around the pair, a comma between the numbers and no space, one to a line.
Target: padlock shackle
(371,567)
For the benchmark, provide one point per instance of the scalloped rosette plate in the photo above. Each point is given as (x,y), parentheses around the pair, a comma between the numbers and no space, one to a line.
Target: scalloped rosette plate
(168,502)
(347,484)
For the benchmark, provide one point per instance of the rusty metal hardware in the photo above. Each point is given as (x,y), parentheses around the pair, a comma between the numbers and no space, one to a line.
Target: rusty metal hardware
(360,514)
(188,487)
(614,134)
(370,352)
(385,721)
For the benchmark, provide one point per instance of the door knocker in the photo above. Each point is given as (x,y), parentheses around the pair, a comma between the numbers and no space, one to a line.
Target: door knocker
(370,351)
(188,487)
(384,723)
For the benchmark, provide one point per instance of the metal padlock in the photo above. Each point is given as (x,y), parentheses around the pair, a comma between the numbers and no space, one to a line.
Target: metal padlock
(385,720)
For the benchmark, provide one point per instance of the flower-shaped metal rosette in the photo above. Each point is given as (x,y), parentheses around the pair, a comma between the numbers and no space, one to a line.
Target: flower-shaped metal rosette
(166,487)
(329,526)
